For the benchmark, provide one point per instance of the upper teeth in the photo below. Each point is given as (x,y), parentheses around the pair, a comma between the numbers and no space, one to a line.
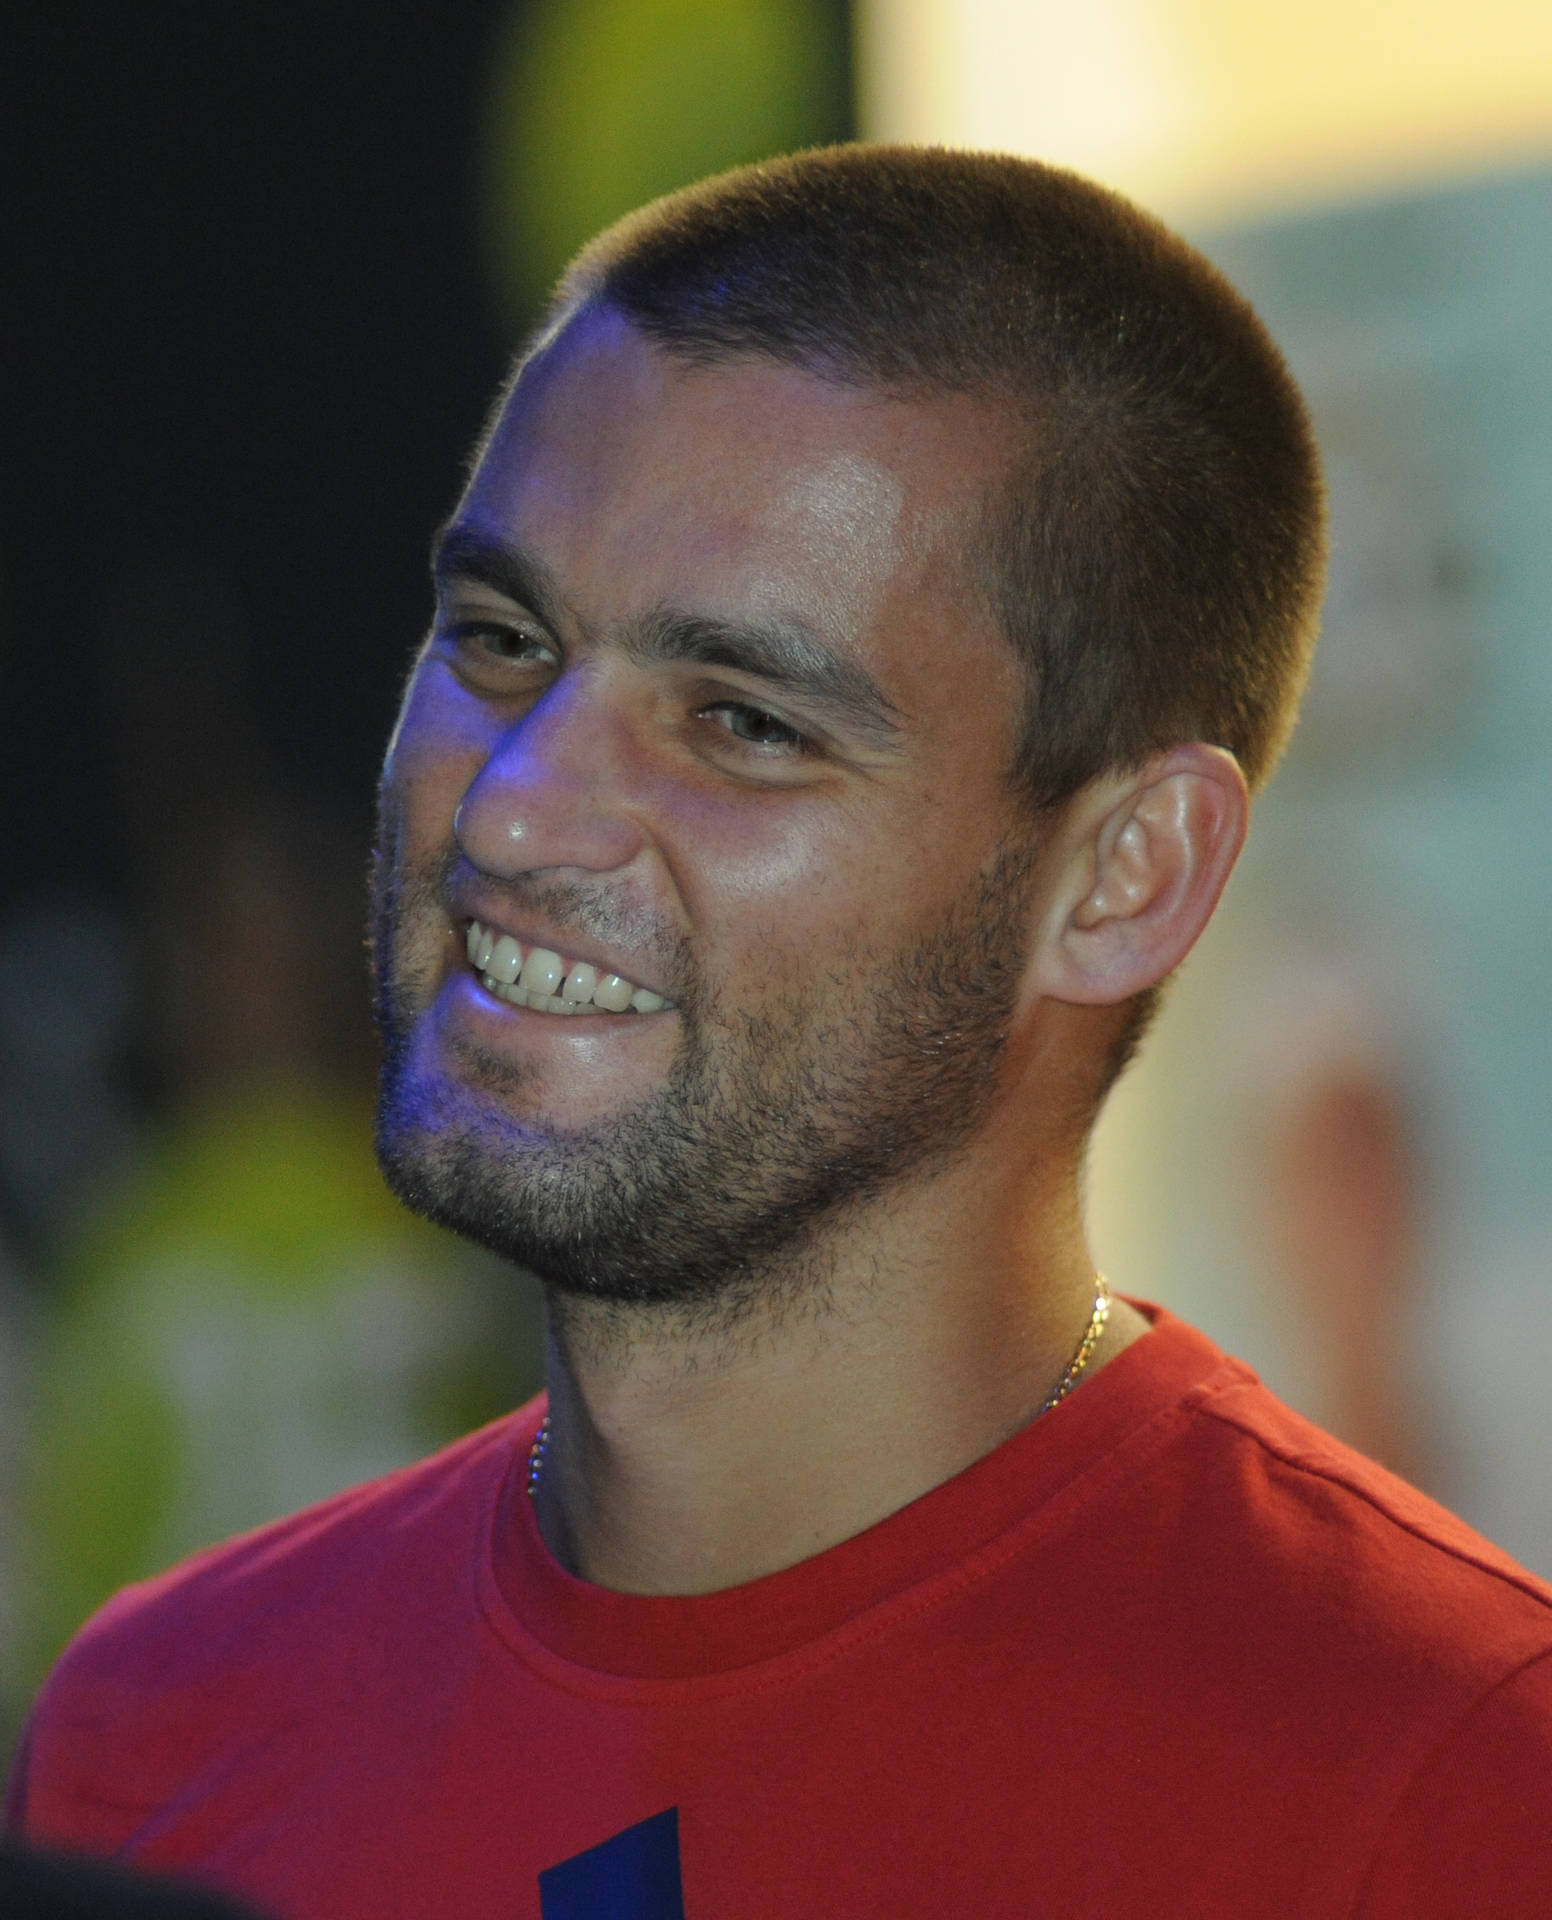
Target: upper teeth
(543,979)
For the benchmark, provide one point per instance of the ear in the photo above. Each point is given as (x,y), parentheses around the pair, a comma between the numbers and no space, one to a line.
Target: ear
(1146,858)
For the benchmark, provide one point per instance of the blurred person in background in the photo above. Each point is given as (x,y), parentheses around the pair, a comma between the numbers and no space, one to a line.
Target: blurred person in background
(879,590)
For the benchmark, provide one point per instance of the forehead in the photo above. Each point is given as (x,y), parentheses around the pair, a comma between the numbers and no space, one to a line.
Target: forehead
(744,488)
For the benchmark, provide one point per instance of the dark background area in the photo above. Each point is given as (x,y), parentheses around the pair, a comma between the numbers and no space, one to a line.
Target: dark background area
(246,339)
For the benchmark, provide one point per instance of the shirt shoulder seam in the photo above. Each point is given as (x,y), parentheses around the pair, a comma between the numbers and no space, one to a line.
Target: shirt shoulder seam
(1302,1461)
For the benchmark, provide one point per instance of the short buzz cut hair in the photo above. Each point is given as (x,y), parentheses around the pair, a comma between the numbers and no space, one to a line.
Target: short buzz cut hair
(1153,551)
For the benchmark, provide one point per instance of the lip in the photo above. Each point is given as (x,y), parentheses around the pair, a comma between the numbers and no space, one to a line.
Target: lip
(587,1036)
(586,1020)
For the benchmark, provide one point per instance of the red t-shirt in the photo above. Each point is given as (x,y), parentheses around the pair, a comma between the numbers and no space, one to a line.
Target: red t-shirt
(1168,1651)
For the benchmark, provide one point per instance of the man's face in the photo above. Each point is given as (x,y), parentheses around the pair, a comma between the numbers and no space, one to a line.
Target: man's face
(709,714)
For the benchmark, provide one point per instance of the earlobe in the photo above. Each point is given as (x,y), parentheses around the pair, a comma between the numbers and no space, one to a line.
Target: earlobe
(1150,856)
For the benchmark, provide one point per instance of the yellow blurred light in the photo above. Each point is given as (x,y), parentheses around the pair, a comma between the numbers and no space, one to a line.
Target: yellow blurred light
(1206,109)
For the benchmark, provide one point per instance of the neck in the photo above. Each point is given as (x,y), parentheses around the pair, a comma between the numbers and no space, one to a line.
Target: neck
(689,1454)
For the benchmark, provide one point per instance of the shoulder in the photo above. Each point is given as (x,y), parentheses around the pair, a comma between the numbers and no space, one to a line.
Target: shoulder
(259,1626)
(1332,1584)
(1259,1501)
(322,1560)
(1330,1520)
(1328,1651)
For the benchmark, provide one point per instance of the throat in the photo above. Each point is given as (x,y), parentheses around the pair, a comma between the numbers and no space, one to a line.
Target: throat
(664,1476)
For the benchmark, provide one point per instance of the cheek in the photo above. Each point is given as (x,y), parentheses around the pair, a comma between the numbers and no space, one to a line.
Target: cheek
(783,886)
(772,861)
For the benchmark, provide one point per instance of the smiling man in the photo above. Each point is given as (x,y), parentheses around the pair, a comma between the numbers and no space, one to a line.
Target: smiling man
(876,594)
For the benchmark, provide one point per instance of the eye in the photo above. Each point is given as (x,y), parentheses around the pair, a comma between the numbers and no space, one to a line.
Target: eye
(498,642)
(755,727)
(496,658)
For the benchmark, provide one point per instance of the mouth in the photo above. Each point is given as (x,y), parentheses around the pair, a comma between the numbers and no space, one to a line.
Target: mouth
(549,982)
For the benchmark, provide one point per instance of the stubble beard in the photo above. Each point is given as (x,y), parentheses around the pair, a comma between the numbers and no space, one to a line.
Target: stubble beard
(712,1197)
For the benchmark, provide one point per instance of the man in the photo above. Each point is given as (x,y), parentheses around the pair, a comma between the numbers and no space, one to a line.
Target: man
(875,595)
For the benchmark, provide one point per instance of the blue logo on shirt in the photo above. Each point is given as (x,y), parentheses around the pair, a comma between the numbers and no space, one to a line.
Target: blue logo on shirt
(634,1876)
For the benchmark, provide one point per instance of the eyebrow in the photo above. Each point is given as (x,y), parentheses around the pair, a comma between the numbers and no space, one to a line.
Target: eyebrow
(785,653)
(461,552)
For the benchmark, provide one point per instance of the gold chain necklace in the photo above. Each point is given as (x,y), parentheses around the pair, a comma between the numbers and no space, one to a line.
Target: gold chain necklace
(1086,1346)
(1071,1375)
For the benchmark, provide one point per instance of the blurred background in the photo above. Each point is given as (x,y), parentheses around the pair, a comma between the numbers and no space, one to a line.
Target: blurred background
(262,269)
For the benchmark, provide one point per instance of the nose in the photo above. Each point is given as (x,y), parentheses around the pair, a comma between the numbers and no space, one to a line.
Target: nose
(552,793)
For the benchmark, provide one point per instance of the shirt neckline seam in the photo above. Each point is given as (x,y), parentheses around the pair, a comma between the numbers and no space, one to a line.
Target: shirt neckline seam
(1129,1454)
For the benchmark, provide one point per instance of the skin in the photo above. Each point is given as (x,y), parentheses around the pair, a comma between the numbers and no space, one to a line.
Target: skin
(654,814)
